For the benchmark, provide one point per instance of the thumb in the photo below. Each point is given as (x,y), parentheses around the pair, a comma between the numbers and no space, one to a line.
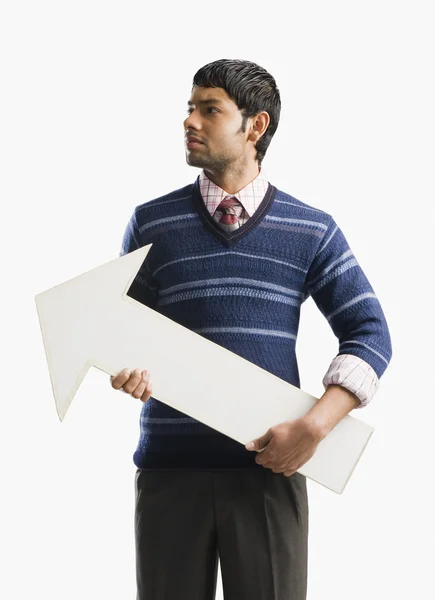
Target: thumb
(260,442)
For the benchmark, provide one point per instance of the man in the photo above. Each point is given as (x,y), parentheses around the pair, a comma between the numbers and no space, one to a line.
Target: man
(233,259)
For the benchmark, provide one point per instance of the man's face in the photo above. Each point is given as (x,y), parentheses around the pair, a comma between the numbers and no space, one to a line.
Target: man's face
(217,125)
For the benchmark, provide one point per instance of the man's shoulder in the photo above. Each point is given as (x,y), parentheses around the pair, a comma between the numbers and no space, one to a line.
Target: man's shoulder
(170,202)
(295,207)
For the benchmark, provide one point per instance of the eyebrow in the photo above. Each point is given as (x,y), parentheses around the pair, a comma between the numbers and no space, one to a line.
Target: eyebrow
(209,101)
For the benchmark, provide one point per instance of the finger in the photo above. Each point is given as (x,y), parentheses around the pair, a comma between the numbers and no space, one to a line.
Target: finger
(147,393)
(288,473)
(119,380)
(266,457)
(268,466)
(140,388)
(278,469)
(131,384)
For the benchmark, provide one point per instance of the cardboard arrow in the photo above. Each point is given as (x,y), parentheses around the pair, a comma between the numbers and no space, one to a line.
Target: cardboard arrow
(90,321)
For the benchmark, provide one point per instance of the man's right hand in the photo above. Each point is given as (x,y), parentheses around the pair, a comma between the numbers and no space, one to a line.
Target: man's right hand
(136,382)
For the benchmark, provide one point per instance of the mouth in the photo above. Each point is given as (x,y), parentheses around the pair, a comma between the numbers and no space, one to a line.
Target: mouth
(194,144)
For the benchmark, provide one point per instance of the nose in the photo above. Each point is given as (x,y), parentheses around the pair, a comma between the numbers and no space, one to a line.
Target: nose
(192,121)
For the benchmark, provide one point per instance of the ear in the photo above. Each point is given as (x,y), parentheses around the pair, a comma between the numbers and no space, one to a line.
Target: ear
(259,125)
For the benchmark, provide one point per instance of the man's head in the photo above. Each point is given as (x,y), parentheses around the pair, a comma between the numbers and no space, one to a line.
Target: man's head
(238,125)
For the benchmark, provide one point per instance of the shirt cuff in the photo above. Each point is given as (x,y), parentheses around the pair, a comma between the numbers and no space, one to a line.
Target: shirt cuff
(354,374)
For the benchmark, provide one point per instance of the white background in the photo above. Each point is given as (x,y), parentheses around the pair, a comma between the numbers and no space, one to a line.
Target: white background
(92,106)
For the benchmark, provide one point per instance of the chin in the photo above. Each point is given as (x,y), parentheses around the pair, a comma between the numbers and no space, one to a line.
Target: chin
(194,163)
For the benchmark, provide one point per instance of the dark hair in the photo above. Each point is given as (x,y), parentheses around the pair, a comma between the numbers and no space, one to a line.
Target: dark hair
(251,87)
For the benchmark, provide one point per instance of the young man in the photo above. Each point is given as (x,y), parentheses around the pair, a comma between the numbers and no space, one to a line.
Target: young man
(233,259)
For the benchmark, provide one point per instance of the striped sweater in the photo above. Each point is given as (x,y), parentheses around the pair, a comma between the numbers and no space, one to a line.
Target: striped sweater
(244,290)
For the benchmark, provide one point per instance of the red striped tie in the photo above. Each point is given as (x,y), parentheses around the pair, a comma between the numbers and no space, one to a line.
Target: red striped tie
(228,213)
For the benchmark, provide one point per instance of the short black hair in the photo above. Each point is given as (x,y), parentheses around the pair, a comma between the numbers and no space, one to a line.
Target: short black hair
(251,87)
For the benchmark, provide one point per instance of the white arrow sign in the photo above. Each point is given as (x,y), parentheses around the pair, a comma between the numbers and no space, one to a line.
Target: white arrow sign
(90,321)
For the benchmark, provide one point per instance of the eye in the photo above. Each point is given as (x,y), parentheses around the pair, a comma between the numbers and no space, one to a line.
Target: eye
(189,110)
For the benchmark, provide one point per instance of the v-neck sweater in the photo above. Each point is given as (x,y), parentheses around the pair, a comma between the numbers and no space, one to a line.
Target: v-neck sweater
(244,290)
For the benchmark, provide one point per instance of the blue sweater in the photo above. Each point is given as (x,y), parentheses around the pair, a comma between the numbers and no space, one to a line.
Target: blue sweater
(244,291)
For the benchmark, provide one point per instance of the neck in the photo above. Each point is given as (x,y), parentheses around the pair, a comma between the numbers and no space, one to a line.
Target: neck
(232,181)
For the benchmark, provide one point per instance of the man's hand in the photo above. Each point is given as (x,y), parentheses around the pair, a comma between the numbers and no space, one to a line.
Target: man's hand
(287,446)
(137,383)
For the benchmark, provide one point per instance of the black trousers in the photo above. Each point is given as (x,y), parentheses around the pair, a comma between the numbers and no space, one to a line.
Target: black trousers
(254,520)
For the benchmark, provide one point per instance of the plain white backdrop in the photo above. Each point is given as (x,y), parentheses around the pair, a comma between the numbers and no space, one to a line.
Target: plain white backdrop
(92,106)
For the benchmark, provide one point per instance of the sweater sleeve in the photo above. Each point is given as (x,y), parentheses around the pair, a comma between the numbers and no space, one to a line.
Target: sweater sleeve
(345,297)
(131,239)
(144,288)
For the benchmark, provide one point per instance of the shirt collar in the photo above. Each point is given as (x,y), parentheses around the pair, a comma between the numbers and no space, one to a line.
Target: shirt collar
(250,196)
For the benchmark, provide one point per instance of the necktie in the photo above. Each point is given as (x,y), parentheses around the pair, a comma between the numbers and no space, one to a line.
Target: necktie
(228,213)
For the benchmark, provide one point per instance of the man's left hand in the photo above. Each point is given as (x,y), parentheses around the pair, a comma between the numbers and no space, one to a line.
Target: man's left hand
(287,446)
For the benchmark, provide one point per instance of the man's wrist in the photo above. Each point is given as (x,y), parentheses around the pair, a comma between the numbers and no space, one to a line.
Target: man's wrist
(316,425)
(329,410)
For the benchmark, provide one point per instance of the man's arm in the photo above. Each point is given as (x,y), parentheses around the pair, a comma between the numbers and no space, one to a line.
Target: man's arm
(143,288)
(345,297)
(347,300)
